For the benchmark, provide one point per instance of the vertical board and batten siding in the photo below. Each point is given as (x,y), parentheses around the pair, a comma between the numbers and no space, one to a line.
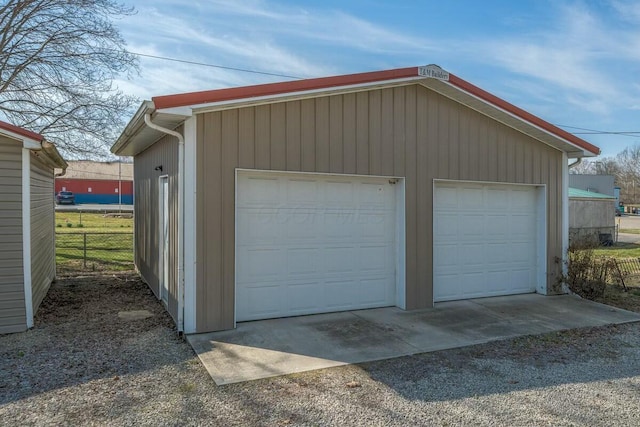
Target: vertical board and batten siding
(43,263)
(12,304)
(407,131)
(146,213)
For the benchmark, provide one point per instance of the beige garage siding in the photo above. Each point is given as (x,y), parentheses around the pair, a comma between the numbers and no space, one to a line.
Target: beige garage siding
(12,305)
(405,131)
(43,266)
(146,213)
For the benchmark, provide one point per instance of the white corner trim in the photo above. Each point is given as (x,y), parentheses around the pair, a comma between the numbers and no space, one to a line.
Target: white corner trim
(26,235)
(190,217)
(401,245)
(565,213)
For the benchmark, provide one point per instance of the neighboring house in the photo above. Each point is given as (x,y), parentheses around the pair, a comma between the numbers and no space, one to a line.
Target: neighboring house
(27,250)
(591,216)
(98,182)
(603,184)
(393,188)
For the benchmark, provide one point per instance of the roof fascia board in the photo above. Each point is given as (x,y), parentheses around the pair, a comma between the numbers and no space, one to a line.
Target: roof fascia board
(579,152)
(291,96)
(29,143)
(20,133)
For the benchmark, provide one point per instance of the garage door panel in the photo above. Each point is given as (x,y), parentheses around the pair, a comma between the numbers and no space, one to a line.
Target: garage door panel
(260,191)
(471,225)
(260,225)
(332,250)
(375,292)
(303,261)
(521,252)
(340,259)
(496,240)
(449,286)
(261,262)
(259,300)
(302,192)
(304,297)
(446,255)
(499,200)
(470,198)
(338,224)
(341,294)
(375,259)
(297,224)
(472,254)
(496,226)
(447,228)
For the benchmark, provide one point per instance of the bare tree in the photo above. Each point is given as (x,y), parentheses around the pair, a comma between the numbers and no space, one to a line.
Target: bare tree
(585,167)
(58,62)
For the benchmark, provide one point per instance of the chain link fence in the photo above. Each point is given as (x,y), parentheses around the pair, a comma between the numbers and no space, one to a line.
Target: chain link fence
(94,251)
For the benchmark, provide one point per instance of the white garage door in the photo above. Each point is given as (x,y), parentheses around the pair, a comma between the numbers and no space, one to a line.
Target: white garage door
(313,243)
(486,240)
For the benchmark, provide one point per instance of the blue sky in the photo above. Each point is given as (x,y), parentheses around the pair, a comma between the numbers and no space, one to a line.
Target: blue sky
(574,63)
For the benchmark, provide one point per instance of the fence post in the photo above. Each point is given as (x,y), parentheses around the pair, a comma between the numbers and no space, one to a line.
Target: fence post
(84,252)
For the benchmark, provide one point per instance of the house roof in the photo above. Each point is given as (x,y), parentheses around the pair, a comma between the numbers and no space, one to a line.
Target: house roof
(576,193)
(36,143)
(20,131)
(171,110)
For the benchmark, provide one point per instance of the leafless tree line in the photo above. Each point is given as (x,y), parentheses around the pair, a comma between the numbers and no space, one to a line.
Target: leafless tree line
(625,167)
(58,62)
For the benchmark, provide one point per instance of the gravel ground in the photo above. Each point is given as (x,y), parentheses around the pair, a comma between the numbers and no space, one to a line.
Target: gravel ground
(82,364)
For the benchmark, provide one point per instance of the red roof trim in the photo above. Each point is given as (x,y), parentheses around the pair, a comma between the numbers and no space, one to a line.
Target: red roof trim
(519,112)
(270,89)
(20,131)
(194,98)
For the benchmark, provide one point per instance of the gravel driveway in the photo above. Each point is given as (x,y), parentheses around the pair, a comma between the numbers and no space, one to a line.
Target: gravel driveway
(83,364)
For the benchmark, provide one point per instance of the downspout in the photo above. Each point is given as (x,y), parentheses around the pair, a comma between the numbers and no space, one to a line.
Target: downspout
(180,255)
(576,163)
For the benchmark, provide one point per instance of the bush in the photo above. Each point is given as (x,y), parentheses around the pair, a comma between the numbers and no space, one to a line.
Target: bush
(587,274)
(69,225)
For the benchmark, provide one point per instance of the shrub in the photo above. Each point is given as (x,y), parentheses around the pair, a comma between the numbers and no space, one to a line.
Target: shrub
(69,225)
(587,274)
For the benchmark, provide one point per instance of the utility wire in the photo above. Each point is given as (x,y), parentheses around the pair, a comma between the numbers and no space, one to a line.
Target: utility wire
(264,73)
(223,67)
(601,132)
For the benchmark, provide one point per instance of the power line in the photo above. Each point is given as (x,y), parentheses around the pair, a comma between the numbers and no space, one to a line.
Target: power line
(601,132)
(632,134)
(223,67)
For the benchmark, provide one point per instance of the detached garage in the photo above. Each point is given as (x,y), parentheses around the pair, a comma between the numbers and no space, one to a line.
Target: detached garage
(27,233)
(393,188)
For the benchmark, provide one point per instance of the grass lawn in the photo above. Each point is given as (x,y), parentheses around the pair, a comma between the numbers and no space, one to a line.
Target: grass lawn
(630,230)
(93,242)
(73,222)
(619,250)
(614,294)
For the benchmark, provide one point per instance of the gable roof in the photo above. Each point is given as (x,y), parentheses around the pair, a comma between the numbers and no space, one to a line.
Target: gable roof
(21,131)
(34,142)
(170,110)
